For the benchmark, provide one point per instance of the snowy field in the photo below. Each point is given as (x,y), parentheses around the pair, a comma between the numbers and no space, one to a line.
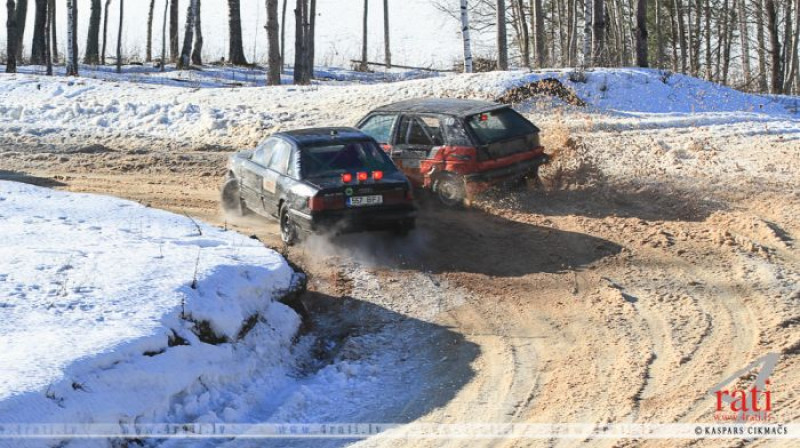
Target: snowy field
(105,303)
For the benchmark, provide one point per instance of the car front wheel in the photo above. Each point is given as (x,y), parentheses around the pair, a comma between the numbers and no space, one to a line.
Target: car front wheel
(288,228)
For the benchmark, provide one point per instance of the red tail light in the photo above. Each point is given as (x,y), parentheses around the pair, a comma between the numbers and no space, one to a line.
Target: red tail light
(362,176)
(377,175)
(347,178)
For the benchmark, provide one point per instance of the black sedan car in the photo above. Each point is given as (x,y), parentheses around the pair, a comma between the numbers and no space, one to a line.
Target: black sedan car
(321,179)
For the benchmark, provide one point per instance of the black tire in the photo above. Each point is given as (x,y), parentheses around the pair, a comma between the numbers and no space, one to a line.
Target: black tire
(232,198)
(289,234)
(450,190)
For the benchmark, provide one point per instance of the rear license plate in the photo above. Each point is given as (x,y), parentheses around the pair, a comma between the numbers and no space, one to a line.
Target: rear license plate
(361,201)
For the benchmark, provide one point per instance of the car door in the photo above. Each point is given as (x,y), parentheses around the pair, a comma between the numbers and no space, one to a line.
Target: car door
(380,127)
(415,138)
(273,177)
(252,176)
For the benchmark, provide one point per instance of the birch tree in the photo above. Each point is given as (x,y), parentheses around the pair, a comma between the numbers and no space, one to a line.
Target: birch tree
(72,38)
(537,22)
(465,37)
(387,48)
(105,33)
(174,33)
(641,33)
(197,48)
(53,42)
(188,36)
(119,36)
(148,57)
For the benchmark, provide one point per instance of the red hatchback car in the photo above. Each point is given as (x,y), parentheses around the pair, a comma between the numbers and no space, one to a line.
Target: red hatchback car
(455,147)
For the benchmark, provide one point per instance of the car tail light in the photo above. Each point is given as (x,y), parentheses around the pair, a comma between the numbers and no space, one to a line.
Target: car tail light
(362,176)
(347,178)
(326,202)
(377,175)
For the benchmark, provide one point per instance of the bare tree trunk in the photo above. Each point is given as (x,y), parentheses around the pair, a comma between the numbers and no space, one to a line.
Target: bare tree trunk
(92,39)
(598,33)
(387,48)
(502,39)
(72,38)
(274,67)
(787,46)
(148,57)
(173,30)
(48,55)
(51,14)
(697,37)
(674,33)
(588,14)
(164,37)
(197,51)
(363,66)
(727,36)
(571,31)
(105,33)
(537,22)
(659,37)
(525,44)
(776,83)
(235,47)
(709,66)
(21,14)
(641,33)
(188,37)
(761,46)
(790,79)
(465,37)
(743,34)
(11,37)
(119,36)
(39,28)
(682,35)
(309,35)
(283,35)
(300,28)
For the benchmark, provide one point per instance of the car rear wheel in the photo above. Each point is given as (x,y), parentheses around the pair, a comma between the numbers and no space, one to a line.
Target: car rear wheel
(232,198)
(450,190)
(288,228)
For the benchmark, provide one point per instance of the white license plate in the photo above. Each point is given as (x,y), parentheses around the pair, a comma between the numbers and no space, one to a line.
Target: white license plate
(361,201)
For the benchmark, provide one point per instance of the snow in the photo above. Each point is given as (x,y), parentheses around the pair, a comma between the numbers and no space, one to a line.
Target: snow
(92,290)
(136,115)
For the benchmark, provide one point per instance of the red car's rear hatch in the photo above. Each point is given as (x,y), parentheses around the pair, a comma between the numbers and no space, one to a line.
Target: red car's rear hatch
(503,132)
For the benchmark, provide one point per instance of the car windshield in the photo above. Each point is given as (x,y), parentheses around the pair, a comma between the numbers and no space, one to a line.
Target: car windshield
(332,160)
(499,125)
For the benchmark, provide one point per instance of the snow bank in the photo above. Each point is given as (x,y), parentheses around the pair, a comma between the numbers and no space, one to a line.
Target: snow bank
(104,305)
(136,114)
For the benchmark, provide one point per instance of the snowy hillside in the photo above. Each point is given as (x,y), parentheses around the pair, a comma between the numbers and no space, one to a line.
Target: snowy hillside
(105,303)
(122,115)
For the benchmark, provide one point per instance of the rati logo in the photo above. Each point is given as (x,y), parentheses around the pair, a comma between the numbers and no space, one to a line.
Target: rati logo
(751,403)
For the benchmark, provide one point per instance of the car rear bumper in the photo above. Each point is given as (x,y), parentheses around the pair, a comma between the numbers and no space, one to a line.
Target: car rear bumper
(356,219)
(478,182)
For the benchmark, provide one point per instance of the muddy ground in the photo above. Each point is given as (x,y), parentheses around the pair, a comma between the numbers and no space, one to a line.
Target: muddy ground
(596,301)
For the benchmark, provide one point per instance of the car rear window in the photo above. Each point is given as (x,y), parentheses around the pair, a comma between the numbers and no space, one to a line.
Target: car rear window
(332,160)
(498,125)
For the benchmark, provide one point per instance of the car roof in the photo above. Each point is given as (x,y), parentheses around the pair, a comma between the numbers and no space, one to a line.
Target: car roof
(449,106)
(318,136)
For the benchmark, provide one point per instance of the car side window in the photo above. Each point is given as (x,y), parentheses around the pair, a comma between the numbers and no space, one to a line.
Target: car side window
(379,127)
(280,157)
(264,151)
(425,131)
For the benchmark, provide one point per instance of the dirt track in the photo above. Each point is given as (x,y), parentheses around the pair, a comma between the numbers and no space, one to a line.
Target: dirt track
(603,304)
